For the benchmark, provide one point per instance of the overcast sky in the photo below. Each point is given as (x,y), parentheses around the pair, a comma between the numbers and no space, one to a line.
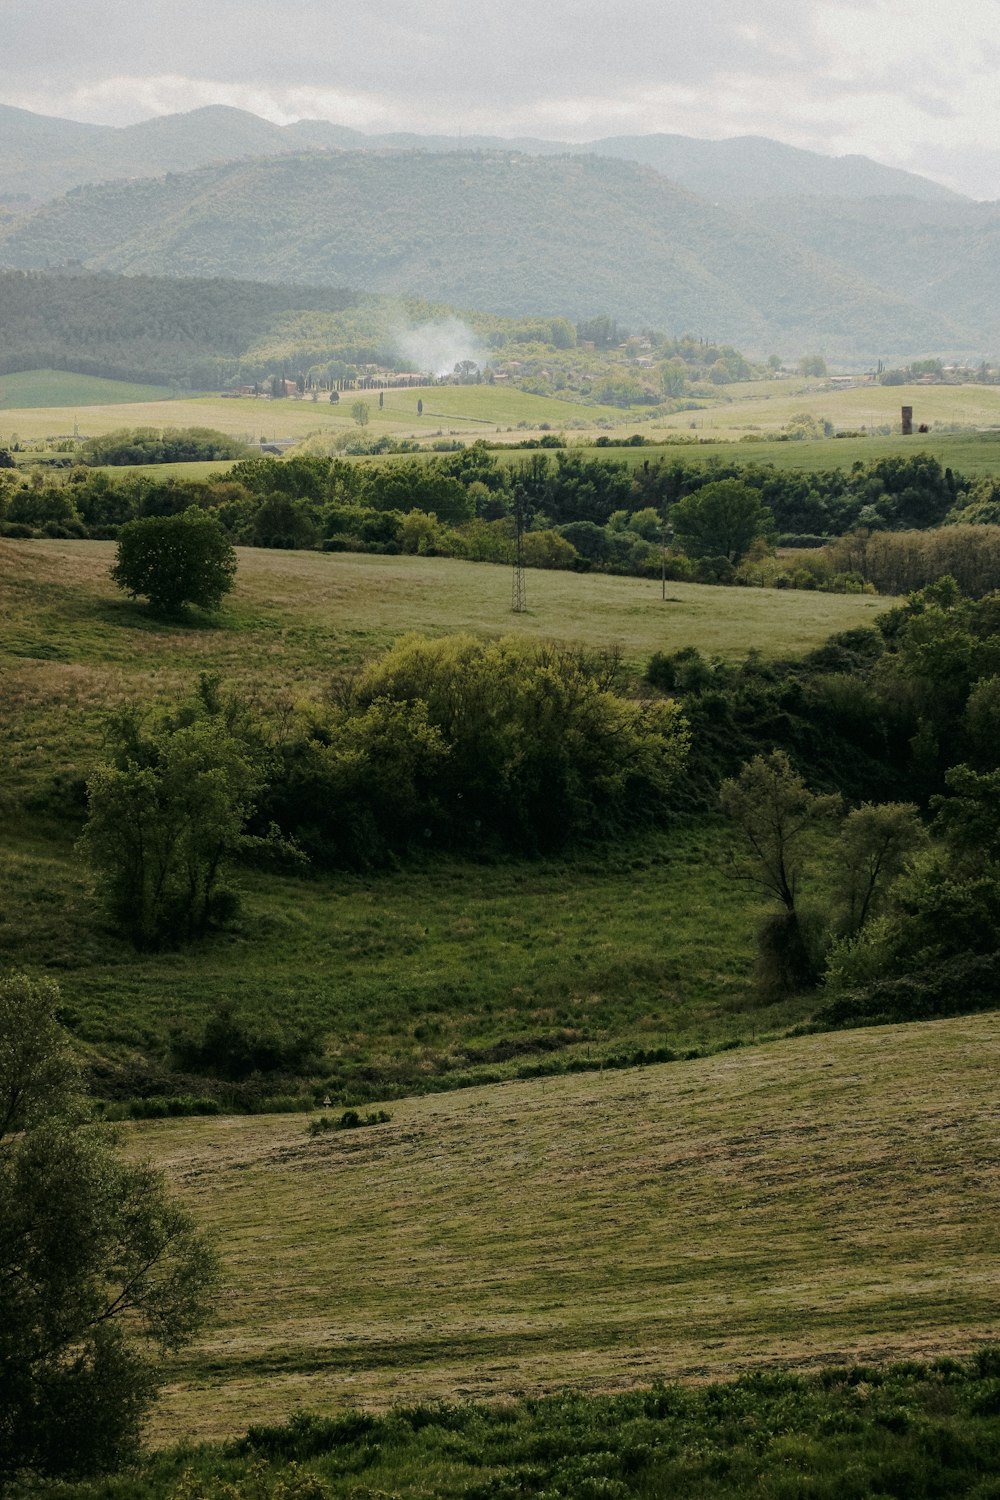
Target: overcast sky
(913,83)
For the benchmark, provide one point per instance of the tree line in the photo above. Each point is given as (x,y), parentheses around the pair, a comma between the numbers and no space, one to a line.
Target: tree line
(697,521)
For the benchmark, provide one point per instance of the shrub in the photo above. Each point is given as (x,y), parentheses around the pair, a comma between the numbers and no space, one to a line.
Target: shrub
(473,744)
(349,1120)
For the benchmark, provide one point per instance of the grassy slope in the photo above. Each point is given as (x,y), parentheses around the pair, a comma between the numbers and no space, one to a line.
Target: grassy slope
(415,980)
(71,643)
(59,388)
(760,409)
(405,972)
(760,405)
(831,1198)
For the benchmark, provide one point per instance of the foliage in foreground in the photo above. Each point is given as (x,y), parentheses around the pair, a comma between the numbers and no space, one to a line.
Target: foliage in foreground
(504,744)
(99,1269)
(910,1431)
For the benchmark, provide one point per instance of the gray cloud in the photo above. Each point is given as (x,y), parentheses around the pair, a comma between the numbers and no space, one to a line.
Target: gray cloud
(883,77)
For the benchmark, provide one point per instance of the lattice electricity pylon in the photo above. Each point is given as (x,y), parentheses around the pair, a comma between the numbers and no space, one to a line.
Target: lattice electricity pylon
(518,596)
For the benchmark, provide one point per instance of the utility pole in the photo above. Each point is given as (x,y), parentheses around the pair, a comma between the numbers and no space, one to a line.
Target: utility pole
(518,597)
(666,536)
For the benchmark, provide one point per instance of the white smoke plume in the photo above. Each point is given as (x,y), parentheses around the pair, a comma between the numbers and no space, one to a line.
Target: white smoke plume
(438,347)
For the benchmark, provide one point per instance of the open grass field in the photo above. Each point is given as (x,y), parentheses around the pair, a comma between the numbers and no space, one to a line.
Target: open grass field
(831,1198)
(788,1200)
(768,405)
(756,410)
(446,971)
(971,453)
(196,469)
(29,389)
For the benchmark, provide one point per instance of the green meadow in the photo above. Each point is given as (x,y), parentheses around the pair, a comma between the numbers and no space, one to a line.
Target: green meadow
(769,405)
(29,389)
(607,1161)
(71,645)
(743,424)
(972,453)
(468,411)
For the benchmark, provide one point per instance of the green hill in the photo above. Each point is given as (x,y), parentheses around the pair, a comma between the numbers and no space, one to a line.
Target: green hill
(943,257)
(156,329)
(576,235)
(50,388)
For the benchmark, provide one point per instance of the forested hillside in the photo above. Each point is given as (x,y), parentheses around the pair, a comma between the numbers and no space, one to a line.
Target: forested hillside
(214,333)
(189,331)
(577,236)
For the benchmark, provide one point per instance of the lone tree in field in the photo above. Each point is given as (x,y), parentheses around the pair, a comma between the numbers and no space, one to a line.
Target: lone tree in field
(359,411)
(175,560)
(100,1270)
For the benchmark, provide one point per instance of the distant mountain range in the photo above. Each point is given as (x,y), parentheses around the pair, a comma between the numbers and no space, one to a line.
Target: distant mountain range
(745,241)
(41,157)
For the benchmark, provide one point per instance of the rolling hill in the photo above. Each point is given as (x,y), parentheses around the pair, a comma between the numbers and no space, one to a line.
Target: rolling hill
(509,233)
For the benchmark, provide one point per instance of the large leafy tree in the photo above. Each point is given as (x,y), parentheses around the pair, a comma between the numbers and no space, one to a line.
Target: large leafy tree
(720,520)
(100,1271)
(167,816)
(175,560)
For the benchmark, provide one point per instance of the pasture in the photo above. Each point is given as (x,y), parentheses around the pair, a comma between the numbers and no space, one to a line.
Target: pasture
(973,454)
(763,406)
(468,411)
(825,1199)
(742,424)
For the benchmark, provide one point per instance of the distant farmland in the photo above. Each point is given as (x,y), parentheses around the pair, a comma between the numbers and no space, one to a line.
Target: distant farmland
(744,424)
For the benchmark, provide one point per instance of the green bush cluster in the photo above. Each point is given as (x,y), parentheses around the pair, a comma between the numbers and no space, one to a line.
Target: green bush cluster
(351,1119)
(458,743)
(909,1431)
(580,512)
(166,445)
(465,744)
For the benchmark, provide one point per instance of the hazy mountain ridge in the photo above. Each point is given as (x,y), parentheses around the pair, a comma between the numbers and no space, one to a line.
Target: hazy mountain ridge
(943,257)
(43,157)
(508,233)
